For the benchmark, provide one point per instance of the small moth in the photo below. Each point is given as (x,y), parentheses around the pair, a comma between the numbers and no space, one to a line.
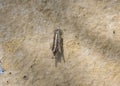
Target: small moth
(57,47)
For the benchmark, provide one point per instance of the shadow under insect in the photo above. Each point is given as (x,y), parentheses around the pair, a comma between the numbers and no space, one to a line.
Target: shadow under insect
(57,47)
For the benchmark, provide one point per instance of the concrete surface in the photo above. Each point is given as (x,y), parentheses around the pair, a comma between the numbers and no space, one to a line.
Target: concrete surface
(91,42)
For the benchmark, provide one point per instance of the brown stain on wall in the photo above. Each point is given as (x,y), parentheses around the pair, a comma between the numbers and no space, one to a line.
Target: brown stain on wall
(12,45)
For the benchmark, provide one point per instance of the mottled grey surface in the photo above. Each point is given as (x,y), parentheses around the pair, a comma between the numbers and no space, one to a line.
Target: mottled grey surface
(91,42)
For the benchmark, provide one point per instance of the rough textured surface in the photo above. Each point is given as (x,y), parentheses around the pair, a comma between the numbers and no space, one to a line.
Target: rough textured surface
(91,42)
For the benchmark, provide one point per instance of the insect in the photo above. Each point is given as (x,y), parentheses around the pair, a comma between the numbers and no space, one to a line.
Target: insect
(57,47)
